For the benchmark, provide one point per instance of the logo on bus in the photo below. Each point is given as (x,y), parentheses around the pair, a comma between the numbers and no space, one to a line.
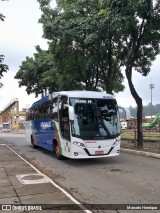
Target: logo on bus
(90,141)
(45,125)
(108,97)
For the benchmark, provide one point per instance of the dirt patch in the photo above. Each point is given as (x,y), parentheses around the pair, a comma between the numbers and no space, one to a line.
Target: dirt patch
(147,146)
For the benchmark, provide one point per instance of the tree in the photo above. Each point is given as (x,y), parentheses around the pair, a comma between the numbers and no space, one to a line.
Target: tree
(2,17)
(91,41)
(147,109)
(38,73)
(107,35)
(82,44)
(3,67)
(140,37)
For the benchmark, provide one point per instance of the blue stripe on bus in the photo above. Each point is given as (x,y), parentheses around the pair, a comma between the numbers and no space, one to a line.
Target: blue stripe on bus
(44,133)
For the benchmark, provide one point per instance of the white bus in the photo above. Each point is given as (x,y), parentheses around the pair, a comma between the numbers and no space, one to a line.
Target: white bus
(75,124)
(5,127)
(123,125)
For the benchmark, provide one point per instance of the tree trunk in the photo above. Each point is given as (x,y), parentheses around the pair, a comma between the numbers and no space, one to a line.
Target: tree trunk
(138,100)
(139,124)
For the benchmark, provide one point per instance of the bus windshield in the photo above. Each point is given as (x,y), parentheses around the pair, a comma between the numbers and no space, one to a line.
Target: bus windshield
(95,118)
(5,126)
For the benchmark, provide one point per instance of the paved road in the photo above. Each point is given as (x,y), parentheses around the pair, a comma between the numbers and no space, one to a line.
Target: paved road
(124,179)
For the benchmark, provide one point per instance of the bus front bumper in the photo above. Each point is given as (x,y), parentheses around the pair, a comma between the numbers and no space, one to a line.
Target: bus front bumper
(81,153)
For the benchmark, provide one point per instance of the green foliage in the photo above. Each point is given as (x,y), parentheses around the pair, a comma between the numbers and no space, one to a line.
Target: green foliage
(146,110)
(3,67)
(155,109)
(2,17)
(139,28)
(90,43)
(38,73)
(82,44)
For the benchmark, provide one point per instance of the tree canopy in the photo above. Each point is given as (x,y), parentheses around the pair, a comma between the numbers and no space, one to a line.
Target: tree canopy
(82,50)
(83,44)
(91,42)
(140,38)
(38,73)
(3,67)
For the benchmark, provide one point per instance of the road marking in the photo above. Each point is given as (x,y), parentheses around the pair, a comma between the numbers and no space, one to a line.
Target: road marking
(53,183)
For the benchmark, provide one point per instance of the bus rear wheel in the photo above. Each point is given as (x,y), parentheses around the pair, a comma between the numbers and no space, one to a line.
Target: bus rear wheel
(57,151)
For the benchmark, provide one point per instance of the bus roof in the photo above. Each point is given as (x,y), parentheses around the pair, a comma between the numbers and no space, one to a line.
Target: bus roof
(86,94)
(39,102)
(74,94)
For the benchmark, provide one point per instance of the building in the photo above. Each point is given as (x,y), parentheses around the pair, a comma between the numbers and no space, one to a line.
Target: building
(11,114)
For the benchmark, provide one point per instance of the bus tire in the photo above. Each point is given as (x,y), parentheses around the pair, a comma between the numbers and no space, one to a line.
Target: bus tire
(57,151)
(32,142)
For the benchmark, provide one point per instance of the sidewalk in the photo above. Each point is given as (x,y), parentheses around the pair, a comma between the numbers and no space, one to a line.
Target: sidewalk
(23,188)
(21,184)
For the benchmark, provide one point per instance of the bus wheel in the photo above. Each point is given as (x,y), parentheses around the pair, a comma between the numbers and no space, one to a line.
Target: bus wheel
(32,142)
(57,151)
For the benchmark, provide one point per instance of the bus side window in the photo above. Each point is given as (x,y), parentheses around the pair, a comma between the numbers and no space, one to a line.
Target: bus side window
(64,117)
(64,123)
(54,109)
(62,100)
(43,110)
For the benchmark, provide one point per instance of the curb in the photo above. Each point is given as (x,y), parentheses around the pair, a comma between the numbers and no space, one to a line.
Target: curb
(141,153)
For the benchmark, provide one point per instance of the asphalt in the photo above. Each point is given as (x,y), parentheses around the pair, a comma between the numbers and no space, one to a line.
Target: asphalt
(23,188)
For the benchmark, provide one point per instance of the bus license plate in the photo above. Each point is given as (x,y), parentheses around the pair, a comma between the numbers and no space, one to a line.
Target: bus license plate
(99,152)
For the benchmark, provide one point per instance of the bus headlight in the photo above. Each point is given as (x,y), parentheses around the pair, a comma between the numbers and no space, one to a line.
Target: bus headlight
(79,144)
(116,143)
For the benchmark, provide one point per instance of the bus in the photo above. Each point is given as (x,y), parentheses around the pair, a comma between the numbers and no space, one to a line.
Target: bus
(5,127)
(75,124)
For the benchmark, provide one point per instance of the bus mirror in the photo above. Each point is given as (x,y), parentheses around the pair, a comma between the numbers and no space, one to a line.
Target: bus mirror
(65,106)
(71,113)
(127,112)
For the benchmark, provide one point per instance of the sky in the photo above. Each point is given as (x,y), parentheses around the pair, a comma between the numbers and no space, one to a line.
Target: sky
(21,32)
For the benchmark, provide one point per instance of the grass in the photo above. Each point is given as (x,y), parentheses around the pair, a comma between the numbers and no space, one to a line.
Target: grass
(147,135)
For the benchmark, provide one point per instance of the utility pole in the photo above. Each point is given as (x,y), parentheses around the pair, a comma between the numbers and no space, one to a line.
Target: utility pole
(151,86)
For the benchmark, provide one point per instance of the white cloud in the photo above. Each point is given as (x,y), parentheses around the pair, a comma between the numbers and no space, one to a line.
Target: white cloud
(10,90)
(141,85)
(20,33)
